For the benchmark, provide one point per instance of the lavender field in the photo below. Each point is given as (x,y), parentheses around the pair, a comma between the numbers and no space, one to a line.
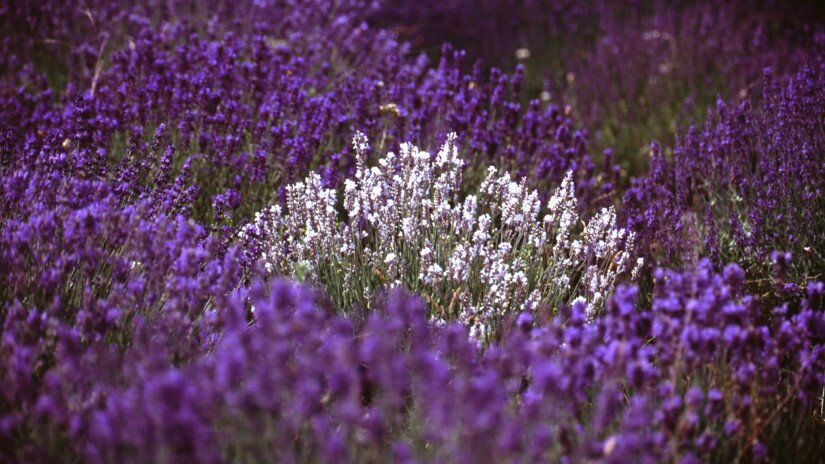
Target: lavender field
(412,231)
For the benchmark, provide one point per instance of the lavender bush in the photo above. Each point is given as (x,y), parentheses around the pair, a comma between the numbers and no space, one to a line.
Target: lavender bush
(744,185)
(489,254)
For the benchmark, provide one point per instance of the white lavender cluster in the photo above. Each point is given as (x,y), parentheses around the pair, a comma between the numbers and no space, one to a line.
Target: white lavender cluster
(475,259)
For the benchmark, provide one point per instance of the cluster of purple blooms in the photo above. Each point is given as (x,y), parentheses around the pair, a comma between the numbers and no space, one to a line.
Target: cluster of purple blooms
(688,379)
(246,113)
(138,140)
(746,183)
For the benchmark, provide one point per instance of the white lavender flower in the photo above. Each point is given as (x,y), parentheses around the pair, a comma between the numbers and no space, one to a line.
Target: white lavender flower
(474,259)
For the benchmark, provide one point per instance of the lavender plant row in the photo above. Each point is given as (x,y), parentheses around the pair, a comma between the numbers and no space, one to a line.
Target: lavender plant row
(634,71)
(247,113)
(699,376)
(746,184)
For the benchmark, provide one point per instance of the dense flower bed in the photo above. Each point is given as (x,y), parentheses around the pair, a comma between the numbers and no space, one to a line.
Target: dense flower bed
(301,231)
(747,183)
